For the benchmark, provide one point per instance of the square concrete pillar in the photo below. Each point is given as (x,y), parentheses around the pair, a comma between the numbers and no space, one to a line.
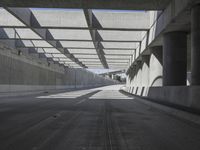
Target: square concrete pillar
(155,66)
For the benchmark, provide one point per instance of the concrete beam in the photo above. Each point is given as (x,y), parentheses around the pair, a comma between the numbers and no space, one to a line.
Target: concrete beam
(92,21)
(75,28)
(56,40)
(26,17)
(58,47)
(90,4)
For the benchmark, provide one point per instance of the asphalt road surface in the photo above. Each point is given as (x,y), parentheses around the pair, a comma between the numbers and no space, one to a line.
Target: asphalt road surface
(95,119)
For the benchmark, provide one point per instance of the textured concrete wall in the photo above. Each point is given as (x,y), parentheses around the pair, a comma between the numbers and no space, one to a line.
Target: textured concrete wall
(148,74)
(83,78)
(145,79)
(155,68)
(22,73)
(151,85)
(187,96)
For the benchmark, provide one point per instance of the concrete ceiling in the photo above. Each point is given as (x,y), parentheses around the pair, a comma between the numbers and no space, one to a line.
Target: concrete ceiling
(89,4)
(95,39)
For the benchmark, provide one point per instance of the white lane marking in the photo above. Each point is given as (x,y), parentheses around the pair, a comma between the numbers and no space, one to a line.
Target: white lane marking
(83,100)
(109,95)
(73,94)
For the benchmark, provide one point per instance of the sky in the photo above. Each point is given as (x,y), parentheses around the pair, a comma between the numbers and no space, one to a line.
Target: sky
(99,71)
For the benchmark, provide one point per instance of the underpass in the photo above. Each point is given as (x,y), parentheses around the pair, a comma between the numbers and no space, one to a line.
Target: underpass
(105,75)
(100,119)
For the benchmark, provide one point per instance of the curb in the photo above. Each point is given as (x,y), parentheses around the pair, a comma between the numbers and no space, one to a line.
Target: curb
(183,115)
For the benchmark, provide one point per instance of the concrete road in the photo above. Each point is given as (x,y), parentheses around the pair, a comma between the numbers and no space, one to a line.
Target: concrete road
(96,119)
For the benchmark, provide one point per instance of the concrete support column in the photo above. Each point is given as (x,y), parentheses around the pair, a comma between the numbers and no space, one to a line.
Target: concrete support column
(175,58)
(155,66)
(195,43)
(132,77)
(131,72)
(112,76)
(139,72)
(145,70)
(138,77)
(145,74)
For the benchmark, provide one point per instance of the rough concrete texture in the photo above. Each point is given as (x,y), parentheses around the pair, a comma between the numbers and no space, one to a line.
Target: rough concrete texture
(155,67)
(19,73)
(145,70)
(148,73)
(179,95)
(145,73)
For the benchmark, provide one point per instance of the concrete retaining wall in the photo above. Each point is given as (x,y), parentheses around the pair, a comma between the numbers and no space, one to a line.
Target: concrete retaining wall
(151,86)
(20,73)
(187,96)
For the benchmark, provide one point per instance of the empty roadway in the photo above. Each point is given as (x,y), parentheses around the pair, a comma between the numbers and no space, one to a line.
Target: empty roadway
(95,119)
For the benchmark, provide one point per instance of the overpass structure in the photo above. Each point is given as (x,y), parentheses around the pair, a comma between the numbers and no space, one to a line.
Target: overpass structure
(157,44)
(49,45)
(94,39)
(165,66)
(91,4)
